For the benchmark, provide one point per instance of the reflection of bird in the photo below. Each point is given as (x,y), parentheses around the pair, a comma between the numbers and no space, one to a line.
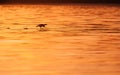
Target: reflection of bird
(41,25)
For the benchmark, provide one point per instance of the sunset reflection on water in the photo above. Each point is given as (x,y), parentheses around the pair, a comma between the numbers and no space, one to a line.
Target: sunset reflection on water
(78,40)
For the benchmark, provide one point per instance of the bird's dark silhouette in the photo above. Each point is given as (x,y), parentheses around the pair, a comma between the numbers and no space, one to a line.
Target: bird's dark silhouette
(25,28)
(41,25)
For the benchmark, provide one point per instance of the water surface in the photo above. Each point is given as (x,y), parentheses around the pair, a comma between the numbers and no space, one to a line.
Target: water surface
(78,40)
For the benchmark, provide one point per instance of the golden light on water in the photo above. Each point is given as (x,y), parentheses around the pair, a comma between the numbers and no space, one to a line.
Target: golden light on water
(78,40)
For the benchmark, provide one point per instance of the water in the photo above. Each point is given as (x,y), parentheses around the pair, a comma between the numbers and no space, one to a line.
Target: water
(78,40)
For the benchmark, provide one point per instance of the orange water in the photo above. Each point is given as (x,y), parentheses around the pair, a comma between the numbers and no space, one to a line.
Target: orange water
(78,40)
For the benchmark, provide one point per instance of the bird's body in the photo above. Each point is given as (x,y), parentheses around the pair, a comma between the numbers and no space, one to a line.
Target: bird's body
(41,25)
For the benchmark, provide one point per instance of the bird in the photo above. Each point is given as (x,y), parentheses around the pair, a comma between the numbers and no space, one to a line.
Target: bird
(41,25)
(25,28)
(7,28)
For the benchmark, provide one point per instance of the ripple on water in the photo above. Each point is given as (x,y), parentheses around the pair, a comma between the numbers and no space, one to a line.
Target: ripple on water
(2,37)
(12,41)
(112,21)
(16,23)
